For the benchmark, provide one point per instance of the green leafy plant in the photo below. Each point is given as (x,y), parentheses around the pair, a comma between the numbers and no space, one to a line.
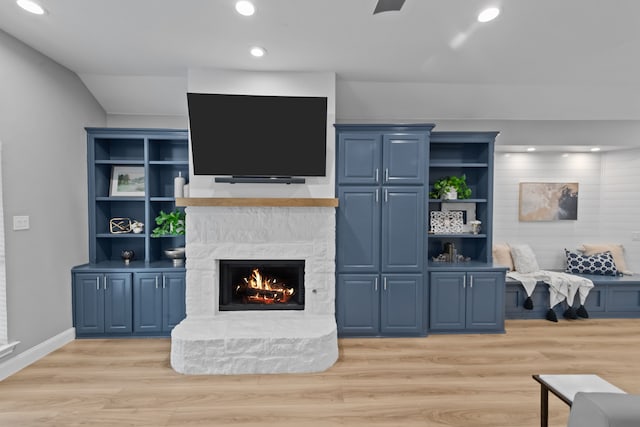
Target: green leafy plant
(444,184)
(169,224)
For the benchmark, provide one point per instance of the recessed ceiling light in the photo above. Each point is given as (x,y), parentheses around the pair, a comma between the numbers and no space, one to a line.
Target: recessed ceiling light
(565,154)
(488,14)
(258,51)
(531,149)
(594,149)
(245,8)
(31,6)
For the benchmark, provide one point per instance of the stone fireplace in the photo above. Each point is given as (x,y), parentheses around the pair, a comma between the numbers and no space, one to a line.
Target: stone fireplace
(301,337)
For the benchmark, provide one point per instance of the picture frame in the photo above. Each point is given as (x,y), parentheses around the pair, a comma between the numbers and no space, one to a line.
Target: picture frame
(446,222)
(127,181)
(468,210)
(548,201)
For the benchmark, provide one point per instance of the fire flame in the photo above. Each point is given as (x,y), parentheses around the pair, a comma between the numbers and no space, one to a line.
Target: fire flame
(257,289)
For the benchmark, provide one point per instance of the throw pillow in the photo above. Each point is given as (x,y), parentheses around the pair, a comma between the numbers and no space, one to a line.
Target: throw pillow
(524,260)
(601,263)
(502,255)
(617,251)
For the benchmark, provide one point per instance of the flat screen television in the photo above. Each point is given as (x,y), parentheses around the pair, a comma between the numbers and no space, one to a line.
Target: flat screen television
(258,136)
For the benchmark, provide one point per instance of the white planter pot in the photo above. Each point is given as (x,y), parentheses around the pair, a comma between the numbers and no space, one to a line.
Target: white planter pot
(452,194)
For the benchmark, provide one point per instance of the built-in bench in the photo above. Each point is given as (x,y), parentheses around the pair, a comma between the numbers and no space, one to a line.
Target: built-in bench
(611,297)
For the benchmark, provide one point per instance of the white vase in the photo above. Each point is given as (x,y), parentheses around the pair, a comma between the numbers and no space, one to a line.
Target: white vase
(178,185)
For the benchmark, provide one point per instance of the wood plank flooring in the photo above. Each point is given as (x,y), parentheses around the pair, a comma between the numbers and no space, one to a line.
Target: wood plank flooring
(440,380)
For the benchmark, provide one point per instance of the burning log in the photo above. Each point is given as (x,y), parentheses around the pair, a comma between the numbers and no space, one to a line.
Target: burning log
(263,290)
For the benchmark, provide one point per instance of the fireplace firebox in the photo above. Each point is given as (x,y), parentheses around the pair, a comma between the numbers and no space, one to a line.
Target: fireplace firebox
(261,285)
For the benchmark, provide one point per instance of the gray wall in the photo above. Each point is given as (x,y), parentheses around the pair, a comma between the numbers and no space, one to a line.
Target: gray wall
(44,108)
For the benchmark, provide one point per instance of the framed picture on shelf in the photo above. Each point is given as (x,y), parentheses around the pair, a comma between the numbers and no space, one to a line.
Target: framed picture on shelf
(468,212)
(446,222)
(127,181)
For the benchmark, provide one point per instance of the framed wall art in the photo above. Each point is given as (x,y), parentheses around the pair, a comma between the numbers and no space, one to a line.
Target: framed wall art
(548,201)
(127,181)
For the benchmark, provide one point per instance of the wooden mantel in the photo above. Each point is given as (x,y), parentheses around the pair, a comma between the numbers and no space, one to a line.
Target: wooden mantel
(262,201)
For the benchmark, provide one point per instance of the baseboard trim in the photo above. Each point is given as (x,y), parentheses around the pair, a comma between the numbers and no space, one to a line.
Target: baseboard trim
(26,358)
(7,349)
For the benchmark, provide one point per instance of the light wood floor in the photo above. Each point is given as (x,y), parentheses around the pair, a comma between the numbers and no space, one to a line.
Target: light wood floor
(440,380)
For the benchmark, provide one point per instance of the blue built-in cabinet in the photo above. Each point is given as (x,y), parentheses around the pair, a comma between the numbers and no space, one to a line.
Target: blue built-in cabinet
(102,303)
(388,283)
(380,181)
(466,301)
(147,296)
(380,304)
(159,301)
(466,296)
(381,154)
(377,229)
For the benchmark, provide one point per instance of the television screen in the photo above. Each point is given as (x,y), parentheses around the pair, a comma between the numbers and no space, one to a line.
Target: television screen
(258,136)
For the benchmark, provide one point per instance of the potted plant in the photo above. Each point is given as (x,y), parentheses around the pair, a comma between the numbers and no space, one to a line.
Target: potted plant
(169,224)
(451,187)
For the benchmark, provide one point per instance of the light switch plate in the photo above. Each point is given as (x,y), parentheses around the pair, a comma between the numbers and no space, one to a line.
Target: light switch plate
(21,222)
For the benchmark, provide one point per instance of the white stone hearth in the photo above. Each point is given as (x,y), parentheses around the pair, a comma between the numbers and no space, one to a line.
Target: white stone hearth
(209,341)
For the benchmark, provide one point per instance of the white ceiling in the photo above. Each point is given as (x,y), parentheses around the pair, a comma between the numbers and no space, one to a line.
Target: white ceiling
(124,48)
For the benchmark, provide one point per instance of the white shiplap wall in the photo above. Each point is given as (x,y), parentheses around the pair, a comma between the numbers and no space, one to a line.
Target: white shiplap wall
(620,202)
(549,238)
(608,202)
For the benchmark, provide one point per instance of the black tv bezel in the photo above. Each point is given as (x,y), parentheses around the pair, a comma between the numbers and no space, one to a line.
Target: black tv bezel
(257,173)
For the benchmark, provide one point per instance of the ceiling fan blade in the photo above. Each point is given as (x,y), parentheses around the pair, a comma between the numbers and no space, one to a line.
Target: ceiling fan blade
(388,5)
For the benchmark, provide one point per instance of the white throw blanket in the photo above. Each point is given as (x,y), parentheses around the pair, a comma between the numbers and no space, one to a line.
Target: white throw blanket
(562,286)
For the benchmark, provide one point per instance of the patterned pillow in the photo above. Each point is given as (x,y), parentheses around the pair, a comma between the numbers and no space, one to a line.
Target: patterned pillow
(601,263)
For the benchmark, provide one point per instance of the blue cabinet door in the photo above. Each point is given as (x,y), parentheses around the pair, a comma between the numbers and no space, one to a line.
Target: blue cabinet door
(173,300)
(447,301)
(404,158)
(117,303)
(88,303)
(358,305)
(358,229)
(402,304)
(359,158)
(485,301)
(403,229)
(147,302)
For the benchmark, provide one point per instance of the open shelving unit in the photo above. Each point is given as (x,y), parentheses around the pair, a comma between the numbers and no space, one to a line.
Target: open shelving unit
(471,154)
(161,155)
